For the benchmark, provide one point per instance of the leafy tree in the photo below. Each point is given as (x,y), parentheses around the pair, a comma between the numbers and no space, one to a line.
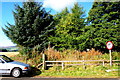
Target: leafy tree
(104,25)
(68,28)
(32,25)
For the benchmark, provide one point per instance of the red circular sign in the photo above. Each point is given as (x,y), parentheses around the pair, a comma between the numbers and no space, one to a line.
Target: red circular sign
(109,45)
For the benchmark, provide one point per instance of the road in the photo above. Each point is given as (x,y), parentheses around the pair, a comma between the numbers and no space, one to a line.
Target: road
(31,78)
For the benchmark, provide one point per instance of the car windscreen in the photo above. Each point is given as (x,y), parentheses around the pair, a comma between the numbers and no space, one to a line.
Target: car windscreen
(5,58)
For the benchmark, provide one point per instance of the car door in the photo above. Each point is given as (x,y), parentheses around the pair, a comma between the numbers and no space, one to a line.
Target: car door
(2,67)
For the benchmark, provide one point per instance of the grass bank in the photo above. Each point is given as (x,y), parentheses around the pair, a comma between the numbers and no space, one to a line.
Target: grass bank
(79,71)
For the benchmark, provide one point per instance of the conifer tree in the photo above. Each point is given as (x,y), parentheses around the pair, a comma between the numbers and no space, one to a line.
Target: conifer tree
(32,25)
(68,28)
(104,25)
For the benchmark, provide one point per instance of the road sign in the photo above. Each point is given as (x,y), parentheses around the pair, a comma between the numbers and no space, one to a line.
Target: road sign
(109,45)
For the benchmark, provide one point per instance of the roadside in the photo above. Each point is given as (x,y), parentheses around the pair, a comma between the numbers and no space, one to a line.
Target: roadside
(79,72)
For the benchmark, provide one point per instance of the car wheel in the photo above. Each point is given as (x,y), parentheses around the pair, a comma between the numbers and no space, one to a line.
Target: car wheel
(16,72)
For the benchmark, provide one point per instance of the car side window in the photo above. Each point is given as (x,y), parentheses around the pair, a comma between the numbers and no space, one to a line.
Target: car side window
(1,61)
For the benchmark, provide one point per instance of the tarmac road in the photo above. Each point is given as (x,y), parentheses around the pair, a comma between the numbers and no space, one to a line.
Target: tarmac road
(32,78)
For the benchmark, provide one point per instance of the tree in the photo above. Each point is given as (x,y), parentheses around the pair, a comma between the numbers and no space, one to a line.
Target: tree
(3,50)
(104,25)
(68,28)
(32,25)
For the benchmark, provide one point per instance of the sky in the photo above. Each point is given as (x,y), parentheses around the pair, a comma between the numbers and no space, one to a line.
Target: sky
(6,8)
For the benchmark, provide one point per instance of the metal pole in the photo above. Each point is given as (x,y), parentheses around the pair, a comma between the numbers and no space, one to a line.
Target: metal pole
(110,58)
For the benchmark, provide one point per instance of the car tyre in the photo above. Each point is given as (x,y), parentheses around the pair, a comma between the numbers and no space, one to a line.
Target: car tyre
(16,72)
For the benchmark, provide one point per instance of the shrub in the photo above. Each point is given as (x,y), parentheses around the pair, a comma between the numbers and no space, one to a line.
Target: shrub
(92,54)
(25,52)
(70,54)
(52,54)
(31,55)
(36,55)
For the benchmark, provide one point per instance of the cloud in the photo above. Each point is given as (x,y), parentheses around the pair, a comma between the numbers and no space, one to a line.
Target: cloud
(58,5)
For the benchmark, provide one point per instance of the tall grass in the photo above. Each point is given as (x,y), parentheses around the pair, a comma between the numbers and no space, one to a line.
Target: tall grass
(69,54)
(53,54)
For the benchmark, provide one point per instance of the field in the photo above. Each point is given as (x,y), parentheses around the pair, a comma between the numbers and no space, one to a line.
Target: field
(9,54)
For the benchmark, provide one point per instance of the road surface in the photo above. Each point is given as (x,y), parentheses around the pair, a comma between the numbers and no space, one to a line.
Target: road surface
(39,78)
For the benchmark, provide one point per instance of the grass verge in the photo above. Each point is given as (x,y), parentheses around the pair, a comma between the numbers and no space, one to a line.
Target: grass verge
(9,54)
(79,71)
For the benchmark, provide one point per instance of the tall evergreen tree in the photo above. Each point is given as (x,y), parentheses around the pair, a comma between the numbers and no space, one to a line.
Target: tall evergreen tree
(68,29)
(104,25)
(32,25)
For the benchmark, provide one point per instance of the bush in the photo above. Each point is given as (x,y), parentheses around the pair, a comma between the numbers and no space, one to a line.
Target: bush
(31,55)
(25,52)
(34,56)
(3,50)
(52,54)
(70,54)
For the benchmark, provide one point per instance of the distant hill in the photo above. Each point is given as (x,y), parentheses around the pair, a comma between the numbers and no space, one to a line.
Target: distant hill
(9,49)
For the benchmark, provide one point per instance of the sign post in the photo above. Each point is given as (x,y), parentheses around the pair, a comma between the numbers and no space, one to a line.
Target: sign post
(110,58)
(109,46)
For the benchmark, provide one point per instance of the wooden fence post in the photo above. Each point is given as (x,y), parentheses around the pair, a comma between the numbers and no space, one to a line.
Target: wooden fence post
(103,63)
(84,66)
(62,65)
(44,64)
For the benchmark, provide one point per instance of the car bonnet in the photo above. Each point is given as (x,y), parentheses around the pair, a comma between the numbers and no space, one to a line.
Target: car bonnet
(19,63)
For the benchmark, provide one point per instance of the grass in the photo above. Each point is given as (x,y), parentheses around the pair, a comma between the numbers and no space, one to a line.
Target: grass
(79,71)
(9,54)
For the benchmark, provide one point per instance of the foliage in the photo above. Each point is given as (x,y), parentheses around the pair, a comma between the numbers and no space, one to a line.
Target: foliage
(69,54)
(103,25)
(52,54)
(68,28)
(26,53)
(32,25)
(36,55)
(71,31)
(3,50)
(31,56)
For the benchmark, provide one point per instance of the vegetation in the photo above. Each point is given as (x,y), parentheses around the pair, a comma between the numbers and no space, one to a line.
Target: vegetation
(66,55)
(32,26)
(86,71)
(3,50)
(78,72)
(103,25)
(69,25)
(9,54)
(68,29)
(53,55)
(9,49)
(69,34)
(72,32)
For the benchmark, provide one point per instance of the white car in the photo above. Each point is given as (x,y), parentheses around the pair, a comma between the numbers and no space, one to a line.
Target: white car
(11,67)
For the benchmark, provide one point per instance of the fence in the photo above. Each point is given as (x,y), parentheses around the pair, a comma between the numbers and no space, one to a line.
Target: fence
(81,62)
